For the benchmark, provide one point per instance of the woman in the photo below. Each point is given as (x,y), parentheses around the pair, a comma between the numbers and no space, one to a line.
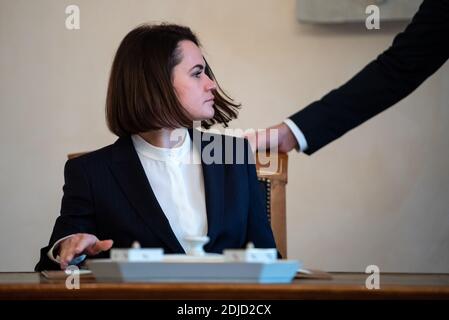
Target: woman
(145,187)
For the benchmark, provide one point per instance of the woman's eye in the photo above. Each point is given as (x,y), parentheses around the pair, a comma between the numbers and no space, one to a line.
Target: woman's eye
(197,74)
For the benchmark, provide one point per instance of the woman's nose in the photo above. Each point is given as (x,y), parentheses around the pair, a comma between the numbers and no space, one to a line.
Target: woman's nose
(210,84)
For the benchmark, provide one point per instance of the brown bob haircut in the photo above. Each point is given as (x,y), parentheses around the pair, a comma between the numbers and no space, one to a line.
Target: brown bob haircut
(140,94)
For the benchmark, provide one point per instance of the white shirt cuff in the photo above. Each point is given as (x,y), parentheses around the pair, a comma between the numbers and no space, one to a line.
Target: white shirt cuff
(74,261)
(300,138)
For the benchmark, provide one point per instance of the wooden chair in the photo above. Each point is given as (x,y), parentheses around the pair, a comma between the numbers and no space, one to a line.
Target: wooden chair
(273,181)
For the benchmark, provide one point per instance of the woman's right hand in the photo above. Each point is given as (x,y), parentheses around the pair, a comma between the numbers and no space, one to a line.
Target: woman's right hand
(81,243)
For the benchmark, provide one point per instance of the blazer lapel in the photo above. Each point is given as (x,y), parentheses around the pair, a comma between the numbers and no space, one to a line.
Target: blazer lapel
(213,175)
(128,171)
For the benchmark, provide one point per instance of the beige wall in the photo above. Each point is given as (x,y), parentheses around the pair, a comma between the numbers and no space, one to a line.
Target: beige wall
(377,196)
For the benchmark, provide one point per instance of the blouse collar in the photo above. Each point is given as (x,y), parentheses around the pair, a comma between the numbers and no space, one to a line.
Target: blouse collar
(176,154)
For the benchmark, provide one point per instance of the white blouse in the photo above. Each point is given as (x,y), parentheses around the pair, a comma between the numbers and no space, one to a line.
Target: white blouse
(178,185)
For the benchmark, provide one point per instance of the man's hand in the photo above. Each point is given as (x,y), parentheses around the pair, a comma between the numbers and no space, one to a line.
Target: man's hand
(81,243)
(285,141)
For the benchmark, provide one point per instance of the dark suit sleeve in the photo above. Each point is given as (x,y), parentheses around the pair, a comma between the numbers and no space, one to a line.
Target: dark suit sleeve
(77,213)
(414,55)
(259,230)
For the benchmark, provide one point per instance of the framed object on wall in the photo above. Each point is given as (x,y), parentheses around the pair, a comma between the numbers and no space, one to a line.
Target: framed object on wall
(340,11)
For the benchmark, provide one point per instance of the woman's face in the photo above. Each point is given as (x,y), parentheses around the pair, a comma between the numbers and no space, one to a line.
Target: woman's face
(192,86)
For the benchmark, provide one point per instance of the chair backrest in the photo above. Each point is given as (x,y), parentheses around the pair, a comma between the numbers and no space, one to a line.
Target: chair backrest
(273,179)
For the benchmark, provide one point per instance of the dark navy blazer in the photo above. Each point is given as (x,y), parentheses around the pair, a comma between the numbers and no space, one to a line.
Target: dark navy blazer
(106,193)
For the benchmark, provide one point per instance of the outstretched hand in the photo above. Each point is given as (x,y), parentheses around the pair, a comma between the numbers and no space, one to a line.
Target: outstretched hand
(265,139)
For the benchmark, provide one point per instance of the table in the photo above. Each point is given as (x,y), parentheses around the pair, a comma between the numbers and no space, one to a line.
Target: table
(343,285)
